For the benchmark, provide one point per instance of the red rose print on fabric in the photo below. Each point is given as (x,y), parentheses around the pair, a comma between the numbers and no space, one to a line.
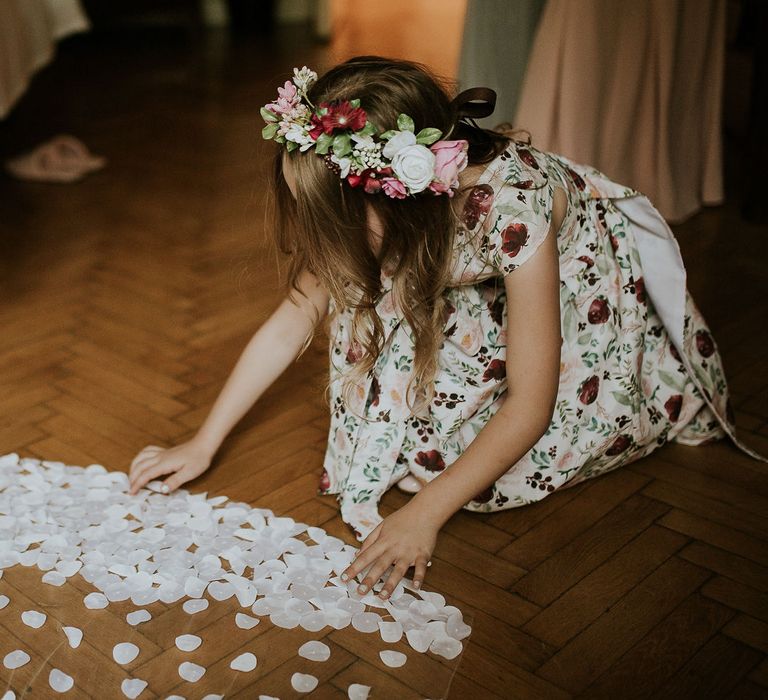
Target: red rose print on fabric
(599,311)
(484,496)
(431,460)
(586,260)
(619,445)
(640,290)
(496,369)
(704,343)
(478,203)
(325,482)
(527,158)
(673,406)
(588,390)
(577,179)
(513,238)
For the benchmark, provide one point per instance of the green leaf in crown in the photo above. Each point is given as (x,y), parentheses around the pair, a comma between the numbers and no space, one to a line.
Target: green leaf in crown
(405,123)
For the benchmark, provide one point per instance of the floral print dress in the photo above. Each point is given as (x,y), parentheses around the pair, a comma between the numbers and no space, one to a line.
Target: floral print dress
(638,365)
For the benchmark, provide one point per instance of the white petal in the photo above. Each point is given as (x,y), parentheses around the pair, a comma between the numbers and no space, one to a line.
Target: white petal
(393,659)
(303,682)
(195,605)
(315,651)
(188,642)
(133,687)
(33,618)
(357,691)
(15,659)
(4,600)
(138,616)
(245,662)
(95,601)
(74,636)
(245,622)
(125,652)
(60,681)
(191,672)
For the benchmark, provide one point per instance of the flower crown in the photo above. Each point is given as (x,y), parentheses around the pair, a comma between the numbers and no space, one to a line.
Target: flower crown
(398,162)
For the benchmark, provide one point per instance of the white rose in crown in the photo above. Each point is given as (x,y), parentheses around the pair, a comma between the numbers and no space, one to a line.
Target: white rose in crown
(414,166)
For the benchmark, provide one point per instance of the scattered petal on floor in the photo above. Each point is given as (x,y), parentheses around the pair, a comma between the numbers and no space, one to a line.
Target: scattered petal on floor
(357,691)
(393,659)
(133,687)
(138,616)
(191,672)
(95,601)
(4,600)
(60,681)
(213,696)
(125,652)
(74,636)
(136,548)
(195,605)
(315,651)
(15,659)
(303,682)
(391,632)
(9,694)
(188,642)
(33,618)
(244,662)
(245,622)
(54,578)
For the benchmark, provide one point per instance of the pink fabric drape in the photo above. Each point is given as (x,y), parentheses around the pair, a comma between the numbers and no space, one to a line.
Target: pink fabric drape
(634,89)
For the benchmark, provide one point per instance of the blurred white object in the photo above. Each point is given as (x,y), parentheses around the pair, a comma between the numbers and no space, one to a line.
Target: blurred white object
(29,30)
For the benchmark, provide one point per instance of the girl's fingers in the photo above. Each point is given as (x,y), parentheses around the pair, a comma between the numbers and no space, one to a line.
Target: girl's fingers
(141,467)
(175,480)
(371,539)
(394,578)
(148,450)
(149,474)
(363,560)
(375,573)
(420,572)
(146,459)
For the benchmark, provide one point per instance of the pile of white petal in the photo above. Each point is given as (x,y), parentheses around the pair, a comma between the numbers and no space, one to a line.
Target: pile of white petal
(67,520)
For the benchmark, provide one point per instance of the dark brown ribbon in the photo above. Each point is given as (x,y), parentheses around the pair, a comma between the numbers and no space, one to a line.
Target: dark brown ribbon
(474,103)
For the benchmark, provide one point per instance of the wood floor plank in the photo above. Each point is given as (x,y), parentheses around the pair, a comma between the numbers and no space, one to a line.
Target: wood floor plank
(738,595)
(749,631)
(662,652)
(605,539)
(578,607)
(715,670)
(594,650)
(578,515)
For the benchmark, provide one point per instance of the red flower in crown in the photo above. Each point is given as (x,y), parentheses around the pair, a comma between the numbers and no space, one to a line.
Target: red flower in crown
(340,115)
(369,179)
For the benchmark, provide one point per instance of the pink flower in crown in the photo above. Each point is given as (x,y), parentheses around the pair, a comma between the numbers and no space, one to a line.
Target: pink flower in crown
(287,99)
(450,160)
(393,188)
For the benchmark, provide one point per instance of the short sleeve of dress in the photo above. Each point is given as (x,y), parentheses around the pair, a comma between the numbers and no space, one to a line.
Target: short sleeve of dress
(519,220)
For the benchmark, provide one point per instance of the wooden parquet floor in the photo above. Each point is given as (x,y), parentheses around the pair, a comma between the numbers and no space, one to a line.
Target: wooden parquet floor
(125,301)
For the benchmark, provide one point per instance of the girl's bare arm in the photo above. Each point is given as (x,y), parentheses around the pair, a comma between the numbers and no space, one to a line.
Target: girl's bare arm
(269,352)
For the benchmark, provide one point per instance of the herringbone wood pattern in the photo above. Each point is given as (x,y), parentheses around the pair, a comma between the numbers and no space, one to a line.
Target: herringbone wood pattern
(125,301)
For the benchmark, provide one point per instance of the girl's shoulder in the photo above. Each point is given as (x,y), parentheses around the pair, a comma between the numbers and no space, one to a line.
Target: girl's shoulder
(518,179)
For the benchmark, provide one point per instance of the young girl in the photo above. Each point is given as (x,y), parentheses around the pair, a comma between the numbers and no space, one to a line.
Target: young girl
(503,322)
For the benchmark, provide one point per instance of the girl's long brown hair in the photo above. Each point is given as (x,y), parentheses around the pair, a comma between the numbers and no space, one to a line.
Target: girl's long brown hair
(325,229)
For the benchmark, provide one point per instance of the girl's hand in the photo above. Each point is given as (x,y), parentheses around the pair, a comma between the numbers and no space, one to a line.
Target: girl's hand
(404,539)
(184,462)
